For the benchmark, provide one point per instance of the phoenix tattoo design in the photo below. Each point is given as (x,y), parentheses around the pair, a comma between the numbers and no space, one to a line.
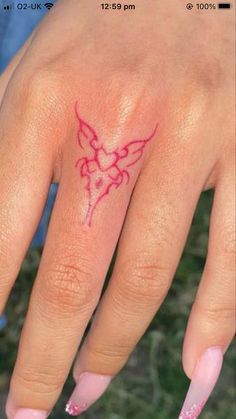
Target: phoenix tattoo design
(102,169)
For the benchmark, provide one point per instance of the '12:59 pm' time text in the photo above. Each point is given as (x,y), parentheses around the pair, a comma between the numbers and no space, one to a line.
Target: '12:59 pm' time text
(117,6)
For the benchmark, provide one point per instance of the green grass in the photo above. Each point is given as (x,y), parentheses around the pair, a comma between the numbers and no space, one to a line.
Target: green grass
(153,384)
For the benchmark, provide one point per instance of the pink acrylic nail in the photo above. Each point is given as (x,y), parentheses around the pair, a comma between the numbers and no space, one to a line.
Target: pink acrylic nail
(204,378)
(89,388)
(30,414)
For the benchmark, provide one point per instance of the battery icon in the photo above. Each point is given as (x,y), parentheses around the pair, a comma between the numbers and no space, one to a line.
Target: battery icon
(224,5)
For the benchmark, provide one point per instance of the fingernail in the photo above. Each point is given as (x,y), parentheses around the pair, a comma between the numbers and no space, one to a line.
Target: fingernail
(204,378)
(30,414)
(89,388)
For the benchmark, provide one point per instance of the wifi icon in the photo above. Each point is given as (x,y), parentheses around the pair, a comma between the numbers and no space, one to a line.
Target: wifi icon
(48,5)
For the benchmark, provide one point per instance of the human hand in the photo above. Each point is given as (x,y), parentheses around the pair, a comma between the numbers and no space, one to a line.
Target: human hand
(143,91)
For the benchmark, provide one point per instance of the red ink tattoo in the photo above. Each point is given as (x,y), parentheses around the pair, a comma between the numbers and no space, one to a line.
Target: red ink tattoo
(102,169)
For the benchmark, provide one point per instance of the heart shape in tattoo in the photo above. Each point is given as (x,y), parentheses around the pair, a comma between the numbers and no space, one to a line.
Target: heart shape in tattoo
(105,159)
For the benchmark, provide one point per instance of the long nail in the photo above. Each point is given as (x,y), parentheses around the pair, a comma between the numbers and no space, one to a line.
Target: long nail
(89,388)
(30,414)
(204,378)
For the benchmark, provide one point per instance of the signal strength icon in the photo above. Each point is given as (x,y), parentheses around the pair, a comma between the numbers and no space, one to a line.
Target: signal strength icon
(9,7)
(48,5)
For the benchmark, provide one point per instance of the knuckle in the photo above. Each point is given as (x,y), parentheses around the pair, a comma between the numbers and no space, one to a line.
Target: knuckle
(210,75)
(206,72)
(68,287)
(127,68)
(37,382)
(215,312)
(43,95)
(123,62)
(108,353)
(142,281)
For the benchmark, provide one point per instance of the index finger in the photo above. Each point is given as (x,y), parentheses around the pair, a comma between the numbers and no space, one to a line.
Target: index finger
(96,183)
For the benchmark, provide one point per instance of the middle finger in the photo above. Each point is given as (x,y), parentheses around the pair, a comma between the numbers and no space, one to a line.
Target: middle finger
(149,250)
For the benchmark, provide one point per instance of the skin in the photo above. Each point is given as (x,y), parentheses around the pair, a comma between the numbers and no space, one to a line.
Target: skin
(127,71)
